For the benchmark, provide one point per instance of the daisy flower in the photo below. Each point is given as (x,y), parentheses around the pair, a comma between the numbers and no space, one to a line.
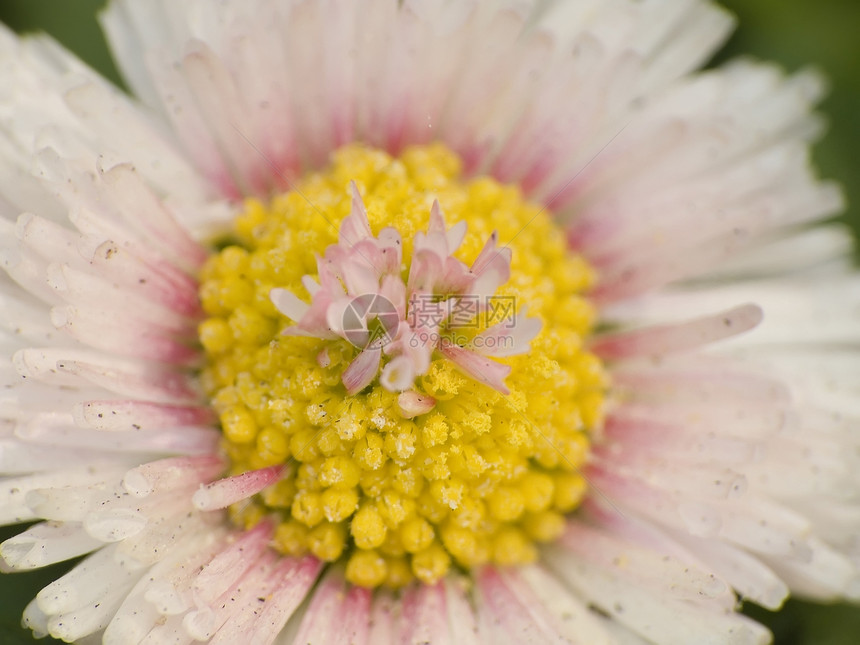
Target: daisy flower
(421,321)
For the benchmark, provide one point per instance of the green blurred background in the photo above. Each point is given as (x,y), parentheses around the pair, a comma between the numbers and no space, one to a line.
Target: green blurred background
(796,33)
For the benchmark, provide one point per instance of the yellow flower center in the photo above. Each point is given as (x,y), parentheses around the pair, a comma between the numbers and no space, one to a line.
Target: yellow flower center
(480,477)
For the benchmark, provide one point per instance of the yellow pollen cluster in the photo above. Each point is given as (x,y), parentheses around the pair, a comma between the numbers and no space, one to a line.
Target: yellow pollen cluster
(478,479)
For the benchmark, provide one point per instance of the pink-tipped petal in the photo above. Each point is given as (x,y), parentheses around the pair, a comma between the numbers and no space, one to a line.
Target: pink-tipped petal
(391,248)
(362,270)
(230,490)
(440,614)
(413,404)
(162,475)
(323,358)
(260,621)
(289,304)
(254,579)
(356,227)
(479,367)
(455,235)
(334,316)
(310,285)
(338,613)
(362,370)
(510,607)
(425,272)
(394,291)
(424,617)
(398,375)
(227,567)
(152,383)
(456,277)
(675,338)
(493,259)
(328,276)
(437,219)
(315,322)
(121,415)
(383,614)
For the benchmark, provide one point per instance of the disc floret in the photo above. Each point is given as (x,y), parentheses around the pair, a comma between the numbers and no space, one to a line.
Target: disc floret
(363,297)
(403,460)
